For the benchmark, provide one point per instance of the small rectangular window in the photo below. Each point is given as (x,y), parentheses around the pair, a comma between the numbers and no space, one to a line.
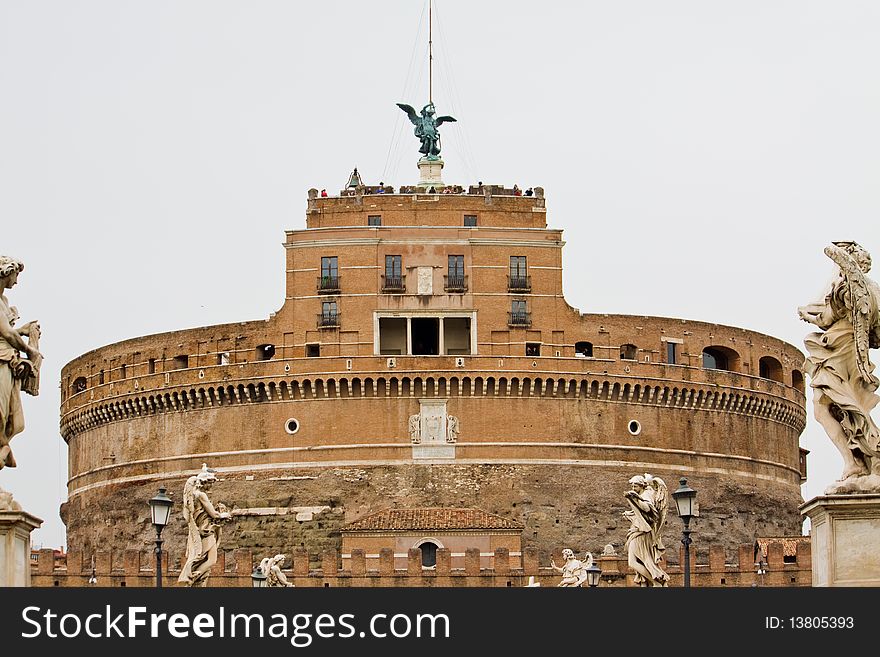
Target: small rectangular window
(517,307)
(374,220)
(151,366)
(672,353)
(517,266)
(470,220)
(101,377)
(533,348)
(122,371)
(313,350)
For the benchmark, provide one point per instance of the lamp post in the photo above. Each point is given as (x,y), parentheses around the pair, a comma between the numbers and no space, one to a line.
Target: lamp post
(594,573)
(761,568)
(160,509)
(258,578)
(92,578)
(684,498)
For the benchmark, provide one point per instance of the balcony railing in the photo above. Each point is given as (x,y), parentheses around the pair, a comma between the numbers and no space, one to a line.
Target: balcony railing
(393,283)
(328,320)
(455,283)
(519,283)
(328,284)
(519,319)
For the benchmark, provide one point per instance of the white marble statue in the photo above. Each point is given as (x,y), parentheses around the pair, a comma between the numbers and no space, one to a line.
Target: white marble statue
(16,373)
(451,429)
(7,503)
(203,528)
(271,568)
(415,429)
(841,373)
(574,571)
(648,498)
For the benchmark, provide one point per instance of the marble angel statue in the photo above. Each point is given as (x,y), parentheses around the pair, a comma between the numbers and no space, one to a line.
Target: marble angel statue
(840,370)
(648,498)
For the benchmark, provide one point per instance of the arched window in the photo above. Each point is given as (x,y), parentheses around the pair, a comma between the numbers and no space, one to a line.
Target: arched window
(797,380)
(429,554)
(714,359)
(583,349)
(770,368)
(720,358)
(265,351)
(627,352)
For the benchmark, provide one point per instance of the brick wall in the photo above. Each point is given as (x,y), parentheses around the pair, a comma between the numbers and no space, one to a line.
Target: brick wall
(233,569)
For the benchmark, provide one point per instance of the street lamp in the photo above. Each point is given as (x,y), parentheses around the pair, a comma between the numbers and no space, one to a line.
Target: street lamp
(160,509)
(762,568)
(258,578)
(593,575)
(684,498)
(92,578)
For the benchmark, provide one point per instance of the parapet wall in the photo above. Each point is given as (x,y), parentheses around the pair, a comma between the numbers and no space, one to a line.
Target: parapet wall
(233,569)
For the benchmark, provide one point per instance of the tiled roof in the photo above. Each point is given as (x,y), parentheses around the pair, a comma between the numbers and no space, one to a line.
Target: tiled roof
(430,519)
(789,544)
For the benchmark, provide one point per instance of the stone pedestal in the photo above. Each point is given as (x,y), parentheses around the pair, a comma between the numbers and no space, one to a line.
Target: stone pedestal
(15,547)
(429,174)
(845,535)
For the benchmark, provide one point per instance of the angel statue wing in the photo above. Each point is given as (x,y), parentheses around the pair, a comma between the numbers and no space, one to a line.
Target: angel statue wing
(588,560)
(857,299)
(661,501)
(410,112)
(445,119)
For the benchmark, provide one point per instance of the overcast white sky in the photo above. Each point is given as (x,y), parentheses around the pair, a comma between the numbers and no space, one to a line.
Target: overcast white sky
(698,156)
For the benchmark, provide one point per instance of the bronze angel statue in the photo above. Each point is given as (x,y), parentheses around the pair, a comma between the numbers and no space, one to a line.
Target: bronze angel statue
(426,128)
(648,498)
(841,373)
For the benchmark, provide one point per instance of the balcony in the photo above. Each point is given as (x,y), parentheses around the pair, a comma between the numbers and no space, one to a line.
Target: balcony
(519,283)
(328,320)
(519,319)
(393,284)
(455,283)
(328,284)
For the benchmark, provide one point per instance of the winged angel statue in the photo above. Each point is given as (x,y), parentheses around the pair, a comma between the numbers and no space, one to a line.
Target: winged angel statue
(426,128)
(648,498)
(841,373)
(574,570)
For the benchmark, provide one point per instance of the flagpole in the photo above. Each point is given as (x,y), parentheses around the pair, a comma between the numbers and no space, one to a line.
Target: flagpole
(430,55)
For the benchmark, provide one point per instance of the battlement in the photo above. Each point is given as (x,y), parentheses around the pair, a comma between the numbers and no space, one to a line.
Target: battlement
(233,569)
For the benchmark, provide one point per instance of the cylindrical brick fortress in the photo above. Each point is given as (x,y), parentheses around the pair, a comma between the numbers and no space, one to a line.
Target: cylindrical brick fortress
(438,307)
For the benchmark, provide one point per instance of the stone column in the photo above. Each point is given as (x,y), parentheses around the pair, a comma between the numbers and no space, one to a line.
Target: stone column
(441,342)
(845,533)
(15,547)
(429,175)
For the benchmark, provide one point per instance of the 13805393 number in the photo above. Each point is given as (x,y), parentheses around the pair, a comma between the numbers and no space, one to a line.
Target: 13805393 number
(820,622)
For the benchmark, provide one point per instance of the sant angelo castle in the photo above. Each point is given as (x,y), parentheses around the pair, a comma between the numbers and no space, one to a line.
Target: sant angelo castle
(425,382)
(425,397)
